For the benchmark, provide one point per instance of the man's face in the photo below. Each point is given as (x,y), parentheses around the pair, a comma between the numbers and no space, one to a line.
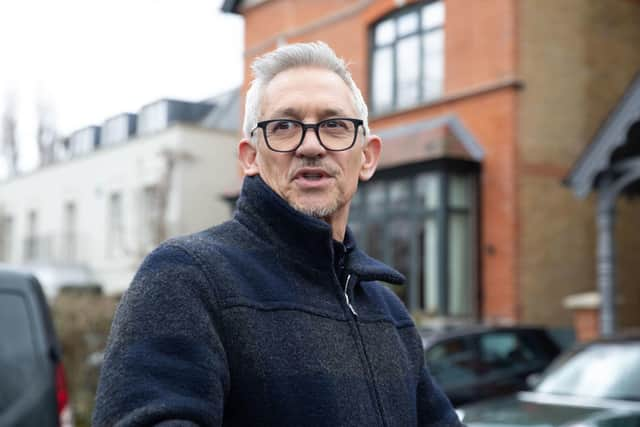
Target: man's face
(312,179)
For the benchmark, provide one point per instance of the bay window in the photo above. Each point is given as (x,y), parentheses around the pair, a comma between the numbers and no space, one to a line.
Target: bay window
(422,220)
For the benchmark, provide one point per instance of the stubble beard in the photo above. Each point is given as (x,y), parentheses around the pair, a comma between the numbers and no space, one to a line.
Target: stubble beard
(319,212)
(317,209)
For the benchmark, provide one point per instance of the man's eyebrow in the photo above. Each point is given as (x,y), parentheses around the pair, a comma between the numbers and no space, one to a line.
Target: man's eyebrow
(331,112)
(287,113)
(297,114)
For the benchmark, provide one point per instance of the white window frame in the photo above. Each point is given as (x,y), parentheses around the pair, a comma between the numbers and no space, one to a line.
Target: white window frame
(427,89)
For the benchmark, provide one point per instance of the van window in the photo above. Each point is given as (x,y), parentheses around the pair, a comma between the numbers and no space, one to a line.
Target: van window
(17,348)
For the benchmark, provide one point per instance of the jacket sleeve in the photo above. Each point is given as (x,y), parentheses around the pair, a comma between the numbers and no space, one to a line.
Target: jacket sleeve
(434,408)
(164,363)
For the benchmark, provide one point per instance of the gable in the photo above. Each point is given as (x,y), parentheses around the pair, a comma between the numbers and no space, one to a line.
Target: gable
(609,142)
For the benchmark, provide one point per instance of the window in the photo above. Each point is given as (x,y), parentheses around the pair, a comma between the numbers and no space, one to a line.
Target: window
(84,141)
(31,249)
(453,363)
(151,216)
(153,117)
(69,233)
(424,225)
(505,350)
(115,130)
(20,367)
(115,224)
(6,236)
(407,57)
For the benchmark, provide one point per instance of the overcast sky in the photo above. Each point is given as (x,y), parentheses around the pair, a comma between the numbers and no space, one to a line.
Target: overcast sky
(92,59)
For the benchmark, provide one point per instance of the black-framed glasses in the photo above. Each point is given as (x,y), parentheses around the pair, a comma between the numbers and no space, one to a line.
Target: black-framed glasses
(286,135)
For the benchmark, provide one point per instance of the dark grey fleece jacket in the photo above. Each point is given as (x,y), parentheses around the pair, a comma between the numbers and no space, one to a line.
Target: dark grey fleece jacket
(247,324)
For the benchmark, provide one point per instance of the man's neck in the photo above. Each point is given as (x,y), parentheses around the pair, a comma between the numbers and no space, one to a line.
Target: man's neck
(338,222)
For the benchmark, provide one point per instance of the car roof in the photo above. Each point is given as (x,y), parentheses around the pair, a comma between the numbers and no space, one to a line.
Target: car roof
(432,335)
(13,279)
(628,335)
(53,277)
(453,331)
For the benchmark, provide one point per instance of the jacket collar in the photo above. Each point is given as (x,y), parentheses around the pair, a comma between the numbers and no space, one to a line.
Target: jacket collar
(304,238)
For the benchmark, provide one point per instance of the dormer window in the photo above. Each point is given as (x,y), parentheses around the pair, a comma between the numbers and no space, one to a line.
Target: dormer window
(84,141)
(407,57)
(117,129)
(153,117)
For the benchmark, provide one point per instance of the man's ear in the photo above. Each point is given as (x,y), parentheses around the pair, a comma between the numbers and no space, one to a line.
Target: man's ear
(247,154)
(371,155)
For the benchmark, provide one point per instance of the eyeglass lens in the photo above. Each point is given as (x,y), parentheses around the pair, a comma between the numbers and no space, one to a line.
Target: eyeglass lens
(334,134)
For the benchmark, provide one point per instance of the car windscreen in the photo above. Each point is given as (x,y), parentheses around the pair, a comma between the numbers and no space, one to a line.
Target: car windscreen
(601,370)
(18,359)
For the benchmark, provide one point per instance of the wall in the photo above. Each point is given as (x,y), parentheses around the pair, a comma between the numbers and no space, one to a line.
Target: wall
(576,58)
(126,168)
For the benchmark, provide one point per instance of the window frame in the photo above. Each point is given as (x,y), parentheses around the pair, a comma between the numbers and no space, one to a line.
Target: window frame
(7,225)
(372,47)
(150,210)
(32,243)
(115,228)
(70,231)
(416,286)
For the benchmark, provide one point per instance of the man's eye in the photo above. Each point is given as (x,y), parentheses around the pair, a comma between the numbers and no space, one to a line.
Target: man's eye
(334,124)
(280,126)
(283,125)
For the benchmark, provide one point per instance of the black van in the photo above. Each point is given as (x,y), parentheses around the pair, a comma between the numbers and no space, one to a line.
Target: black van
(32,386)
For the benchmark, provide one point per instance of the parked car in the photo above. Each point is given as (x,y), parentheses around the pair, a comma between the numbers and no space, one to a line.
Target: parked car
(55,278)
(474,363)
(596,384)
(32,386)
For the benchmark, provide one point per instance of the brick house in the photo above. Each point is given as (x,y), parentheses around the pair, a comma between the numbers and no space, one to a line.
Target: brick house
(483,106)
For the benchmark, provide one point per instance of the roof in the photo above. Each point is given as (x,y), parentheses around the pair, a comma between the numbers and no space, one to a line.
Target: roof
(226,113)
(440,137)
(613,134)
(230,6)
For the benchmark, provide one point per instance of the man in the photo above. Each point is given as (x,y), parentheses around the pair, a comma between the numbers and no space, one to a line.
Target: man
(274,318)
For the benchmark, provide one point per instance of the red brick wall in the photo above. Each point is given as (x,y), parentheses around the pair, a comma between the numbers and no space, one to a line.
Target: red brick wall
(480,49)
(587,324)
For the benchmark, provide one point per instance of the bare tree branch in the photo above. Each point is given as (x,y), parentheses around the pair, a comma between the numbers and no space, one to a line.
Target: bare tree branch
(47,134)
(9,150)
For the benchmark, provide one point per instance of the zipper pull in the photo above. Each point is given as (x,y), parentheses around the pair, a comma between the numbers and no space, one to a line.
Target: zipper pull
(346,296)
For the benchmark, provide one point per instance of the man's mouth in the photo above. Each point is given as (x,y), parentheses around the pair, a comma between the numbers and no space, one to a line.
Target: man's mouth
(311,176)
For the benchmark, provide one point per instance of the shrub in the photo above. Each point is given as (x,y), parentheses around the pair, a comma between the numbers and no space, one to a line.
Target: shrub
(82,321)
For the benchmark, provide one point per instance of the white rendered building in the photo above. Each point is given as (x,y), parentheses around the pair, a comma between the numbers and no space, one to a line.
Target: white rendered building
(115,191)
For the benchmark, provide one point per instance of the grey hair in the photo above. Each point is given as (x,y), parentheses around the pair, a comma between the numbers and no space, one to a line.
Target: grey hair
(316,54)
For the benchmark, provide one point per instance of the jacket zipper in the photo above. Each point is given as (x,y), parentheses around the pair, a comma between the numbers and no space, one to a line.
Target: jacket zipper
(376,396)
(346,296)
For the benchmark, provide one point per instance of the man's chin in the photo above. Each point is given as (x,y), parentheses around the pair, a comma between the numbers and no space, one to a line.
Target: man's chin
(316,211)
(319,213)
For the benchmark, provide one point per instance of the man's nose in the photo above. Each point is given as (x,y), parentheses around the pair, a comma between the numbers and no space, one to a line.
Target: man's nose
(310,146)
